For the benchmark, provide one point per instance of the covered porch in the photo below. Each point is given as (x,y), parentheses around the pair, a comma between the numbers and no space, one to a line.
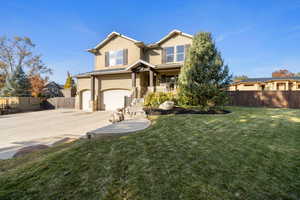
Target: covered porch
(152,78)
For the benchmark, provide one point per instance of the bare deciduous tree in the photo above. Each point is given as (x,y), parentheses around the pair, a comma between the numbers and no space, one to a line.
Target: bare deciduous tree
(19,52)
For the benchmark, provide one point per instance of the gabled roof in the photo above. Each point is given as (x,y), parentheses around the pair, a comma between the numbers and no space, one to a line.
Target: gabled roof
(168,36)
(111,36)
(138,62)
(138,43)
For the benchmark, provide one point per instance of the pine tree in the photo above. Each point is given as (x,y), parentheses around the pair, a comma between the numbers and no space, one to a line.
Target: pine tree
(204,78)
(16,84)
(69,82)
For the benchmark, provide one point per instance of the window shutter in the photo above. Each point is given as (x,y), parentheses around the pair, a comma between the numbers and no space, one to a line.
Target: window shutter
(106,59)
(125,56)
(163,56)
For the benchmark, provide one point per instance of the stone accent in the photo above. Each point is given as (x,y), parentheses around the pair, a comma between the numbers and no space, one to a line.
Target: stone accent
(93,105)
(167,105)
(135,110)
(117,116)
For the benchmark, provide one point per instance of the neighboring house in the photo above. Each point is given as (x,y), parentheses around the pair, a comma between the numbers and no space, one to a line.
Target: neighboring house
(127,67)
(269,84)
(52,89)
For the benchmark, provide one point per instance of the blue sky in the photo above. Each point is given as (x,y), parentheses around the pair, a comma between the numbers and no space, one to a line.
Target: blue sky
(255,37)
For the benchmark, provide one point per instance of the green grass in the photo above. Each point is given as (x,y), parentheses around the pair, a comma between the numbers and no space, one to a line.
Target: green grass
(252,153)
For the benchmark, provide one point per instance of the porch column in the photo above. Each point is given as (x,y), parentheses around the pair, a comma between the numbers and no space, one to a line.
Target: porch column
(92,102)
(92,88)
(287,86)
(133,79)
(151,81)
(133,84)
(151,78)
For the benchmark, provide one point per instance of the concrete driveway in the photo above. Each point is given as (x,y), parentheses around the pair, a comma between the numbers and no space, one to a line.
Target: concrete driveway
(45,127)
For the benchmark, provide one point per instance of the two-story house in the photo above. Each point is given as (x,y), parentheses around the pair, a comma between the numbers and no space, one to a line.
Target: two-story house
(127,67)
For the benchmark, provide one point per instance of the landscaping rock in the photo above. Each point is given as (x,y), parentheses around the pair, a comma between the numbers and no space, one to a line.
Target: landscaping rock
(25,150)
(167,105)
(117,116)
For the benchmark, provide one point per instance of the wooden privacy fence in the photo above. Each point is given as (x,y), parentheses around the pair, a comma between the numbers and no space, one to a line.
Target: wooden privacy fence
(59,102)
(19,104)
(272,99)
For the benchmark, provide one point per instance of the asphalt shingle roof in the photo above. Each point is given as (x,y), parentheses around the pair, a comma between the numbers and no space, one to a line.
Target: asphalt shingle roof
(102,71)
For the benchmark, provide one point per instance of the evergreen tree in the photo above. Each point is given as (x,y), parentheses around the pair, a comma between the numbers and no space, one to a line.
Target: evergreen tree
(204,78)
(17,84)
(69,82)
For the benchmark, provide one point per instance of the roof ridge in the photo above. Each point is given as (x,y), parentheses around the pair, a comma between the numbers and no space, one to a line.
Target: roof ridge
(115,33)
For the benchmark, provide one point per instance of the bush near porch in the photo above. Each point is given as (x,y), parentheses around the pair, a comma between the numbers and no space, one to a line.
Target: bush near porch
(154,99)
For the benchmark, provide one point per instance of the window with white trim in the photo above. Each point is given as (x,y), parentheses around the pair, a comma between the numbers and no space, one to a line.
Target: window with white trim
(175,54)
(169,54)
(180,53)
(116,58)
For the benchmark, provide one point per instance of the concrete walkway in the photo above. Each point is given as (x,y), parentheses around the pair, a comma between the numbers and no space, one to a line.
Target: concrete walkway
(120,128)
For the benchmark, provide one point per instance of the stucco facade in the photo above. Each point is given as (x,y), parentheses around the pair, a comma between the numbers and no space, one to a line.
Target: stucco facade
(117,43)
(154,55)
(141,71)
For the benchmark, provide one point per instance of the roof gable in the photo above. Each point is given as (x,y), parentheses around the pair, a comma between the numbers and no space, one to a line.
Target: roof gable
(169,36)
(110,37)
(138,62)
(114,34)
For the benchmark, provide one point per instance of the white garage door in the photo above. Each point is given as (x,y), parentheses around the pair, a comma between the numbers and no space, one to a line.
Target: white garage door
(113,99)
(86,97)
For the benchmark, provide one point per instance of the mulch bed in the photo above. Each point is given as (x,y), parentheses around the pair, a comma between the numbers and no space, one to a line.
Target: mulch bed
(179,110)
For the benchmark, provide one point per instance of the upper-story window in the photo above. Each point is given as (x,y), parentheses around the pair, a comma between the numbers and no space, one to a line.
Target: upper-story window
(174,54)
(180,53)
(115,58)
(169,54)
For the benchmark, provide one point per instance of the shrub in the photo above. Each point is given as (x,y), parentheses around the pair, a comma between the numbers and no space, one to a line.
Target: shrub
(154,99)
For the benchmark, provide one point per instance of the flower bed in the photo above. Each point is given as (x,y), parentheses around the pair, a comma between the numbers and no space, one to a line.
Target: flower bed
(180,110)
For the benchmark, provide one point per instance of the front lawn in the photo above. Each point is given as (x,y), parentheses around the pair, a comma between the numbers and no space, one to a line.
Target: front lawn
(251,153)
